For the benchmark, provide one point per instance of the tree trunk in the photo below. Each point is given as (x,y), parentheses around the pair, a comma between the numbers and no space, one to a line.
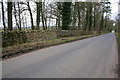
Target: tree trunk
(59,7)
(42,15)
(74,16)
(86,23)
(19,16)
(9,9)
(66,15)
(59,19)
(43,21)
(102,22)
(15,15)
(38,14)
(90,16)
(94,18)
(78,9)
(31,17)
(3,15)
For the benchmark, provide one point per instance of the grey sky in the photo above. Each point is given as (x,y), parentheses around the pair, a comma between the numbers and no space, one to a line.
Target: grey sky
(114,6)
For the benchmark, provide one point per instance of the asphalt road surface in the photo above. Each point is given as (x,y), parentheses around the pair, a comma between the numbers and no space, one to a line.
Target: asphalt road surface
(94,57)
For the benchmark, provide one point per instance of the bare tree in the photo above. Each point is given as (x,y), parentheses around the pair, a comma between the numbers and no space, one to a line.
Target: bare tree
(43,16)
(78,11)
(31,16)
(3,15)
(19,15)
(15,15)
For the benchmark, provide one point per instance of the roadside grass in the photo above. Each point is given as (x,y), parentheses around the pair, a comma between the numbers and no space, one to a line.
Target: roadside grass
(17,50)
(118,65)
(119,55)
(118,39)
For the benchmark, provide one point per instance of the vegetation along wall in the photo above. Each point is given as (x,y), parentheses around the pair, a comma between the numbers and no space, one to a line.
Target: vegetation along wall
(10,38)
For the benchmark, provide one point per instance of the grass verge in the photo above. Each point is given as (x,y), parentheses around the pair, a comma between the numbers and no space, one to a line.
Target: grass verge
(17,50)
(119,55)
(118,66)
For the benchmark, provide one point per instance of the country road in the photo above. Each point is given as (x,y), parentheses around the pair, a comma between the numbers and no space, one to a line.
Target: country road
(94,57)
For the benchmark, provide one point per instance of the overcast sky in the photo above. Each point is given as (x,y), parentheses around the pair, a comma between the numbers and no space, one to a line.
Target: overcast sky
(114,6)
